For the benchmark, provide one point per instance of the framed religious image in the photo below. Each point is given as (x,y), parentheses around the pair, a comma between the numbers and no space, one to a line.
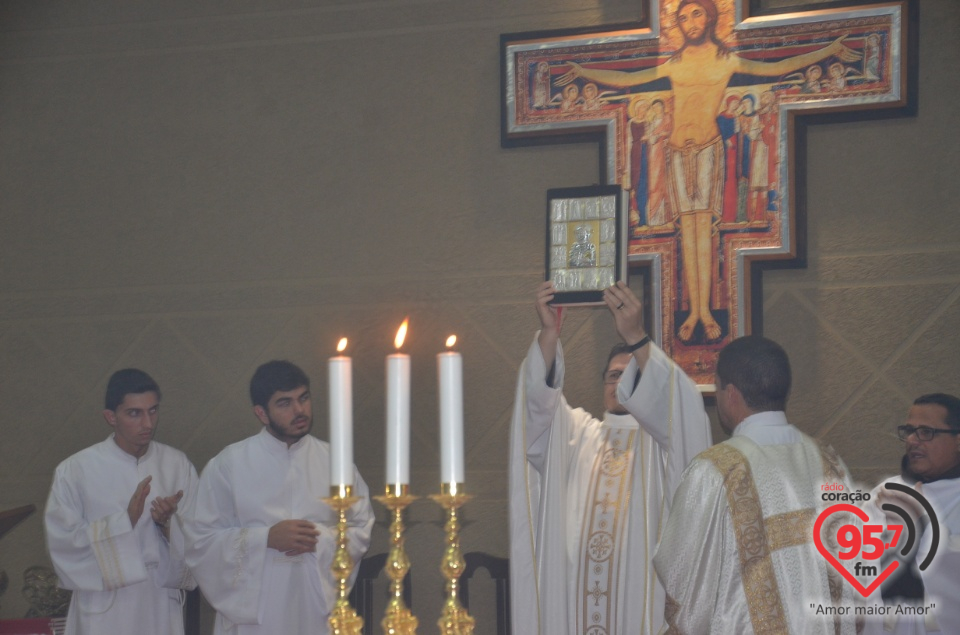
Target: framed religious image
(586,229)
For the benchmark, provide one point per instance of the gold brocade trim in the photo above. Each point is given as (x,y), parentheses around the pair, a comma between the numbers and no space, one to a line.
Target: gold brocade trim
(832,468)
(601,536)
(833,472)
(105,551)
(789,529)
(756,567)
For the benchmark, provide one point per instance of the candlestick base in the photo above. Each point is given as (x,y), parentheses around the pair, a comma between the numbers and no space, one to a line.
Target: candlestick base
(343,619)
(454,619)
(397,619)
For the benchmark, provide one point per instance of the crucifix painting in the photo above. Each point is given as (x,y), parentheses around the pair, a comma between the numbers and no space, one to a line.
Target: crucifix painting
(696,112)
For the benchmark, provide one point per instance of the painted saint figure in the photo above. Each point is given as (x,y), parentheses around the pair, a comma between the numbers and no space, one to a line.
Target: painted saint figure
(638,179)
(728,122)
(570,99)
(811,84)
(541,86)
(591,97)
(836,80)
(871,57)
(699,73)
(583,253)
(763,173)
(746,135)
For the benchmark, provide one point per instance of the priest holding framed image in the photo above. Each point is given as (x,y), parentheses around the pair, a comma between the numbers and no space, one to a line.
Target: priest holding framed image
(588,496)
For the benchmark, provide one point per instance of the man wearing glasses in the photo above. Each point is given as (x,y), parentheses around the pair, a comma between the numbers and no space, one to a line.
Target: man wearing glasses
(931,465)
(588,497)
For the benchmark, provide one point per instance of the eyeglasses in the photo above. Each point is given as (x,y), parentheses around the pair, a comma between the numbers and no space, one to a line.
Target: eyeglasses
(612,376)
(924,433)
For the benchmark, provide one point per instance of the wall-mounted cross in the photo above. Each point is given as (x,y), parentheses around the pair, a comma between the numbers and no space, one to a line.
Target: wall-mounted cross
(699,111)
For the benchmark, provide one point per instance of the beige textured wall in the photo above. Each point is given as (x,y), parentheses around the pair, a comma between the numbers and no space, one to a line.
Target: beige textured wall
(195,187)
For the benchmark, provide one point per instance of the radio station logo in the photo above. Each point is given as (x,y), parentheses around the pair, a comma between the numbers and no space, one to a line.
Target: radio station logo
(857,551)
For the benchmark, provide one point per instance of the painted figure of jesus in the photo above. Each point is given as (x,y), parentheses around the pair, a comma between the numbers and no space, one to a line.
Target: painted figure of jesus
(699,73)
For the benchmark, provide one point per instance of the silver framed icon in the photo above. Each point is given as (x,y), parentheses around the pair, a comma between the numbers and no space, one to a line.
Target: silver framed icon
(586,242)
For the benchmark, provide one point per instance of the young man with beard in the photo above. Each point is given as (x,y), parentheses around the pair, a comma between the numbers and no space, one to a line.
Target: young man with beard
(260,538)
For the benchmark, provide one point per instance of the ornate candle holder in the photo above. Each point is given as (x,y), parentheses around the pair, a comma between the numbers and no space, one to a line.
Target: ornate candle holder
(454,620)
(397,619)
(343,619)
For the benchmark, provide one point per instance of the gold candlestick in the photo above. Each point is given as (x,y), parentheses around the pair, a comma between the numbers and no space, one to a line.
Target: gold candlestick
(343,619)
(397,619)
(454,620)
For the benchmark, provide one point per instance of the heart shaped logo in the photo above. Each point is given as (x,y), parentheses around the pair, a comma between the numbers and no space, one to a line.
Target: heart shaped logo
(859,513)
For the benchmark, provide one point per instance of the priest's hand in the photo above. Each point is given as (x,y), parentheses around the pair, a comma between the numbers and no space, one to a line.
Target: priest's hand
(293,537)
(162,509)
(627,311)
(138,500)
(549,315)
(549,322)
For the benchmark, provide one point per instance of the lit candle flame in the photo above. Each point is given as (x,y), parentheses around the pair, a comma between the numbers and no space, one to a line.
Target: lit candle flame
(451,341)
(401,333)
(342,345)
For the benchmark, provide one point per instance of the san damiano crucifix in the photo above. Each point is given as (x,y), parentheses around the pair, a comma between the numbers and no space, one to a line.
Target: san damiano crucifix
(697,112)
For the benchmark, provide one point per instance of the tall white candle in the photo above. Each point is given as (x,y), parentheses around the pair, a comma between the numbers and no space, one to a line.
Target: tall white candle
(341,418)
(398,414)
(450,371)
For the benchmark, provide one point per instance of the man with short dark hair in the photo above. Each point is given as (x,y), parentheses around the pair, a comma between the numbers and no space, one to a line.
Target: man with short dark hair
(261,540)
(930,465)
(737,554)
(126,570)
(588,497)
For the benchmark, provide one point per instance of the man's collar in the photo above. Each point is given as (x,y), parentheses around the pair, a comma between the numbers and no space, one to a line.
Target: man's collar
(625,420)
(279,445)
(762,419)
(115,448)
(912,477)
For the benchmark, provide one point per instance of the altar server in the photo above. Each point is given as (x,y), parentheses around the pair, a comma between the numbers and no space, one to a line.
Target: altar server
(111,521)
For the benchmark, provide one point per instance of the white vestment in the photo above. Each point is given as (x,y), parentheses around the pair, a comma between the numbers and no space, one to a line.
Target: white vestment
(941,579)
(124,579)
(587,497)
(246,489)
(737,554)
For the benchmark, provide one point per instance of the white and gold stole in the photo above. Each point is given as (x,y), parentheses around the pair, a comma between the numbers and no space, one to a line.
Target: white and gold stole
(603,533)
